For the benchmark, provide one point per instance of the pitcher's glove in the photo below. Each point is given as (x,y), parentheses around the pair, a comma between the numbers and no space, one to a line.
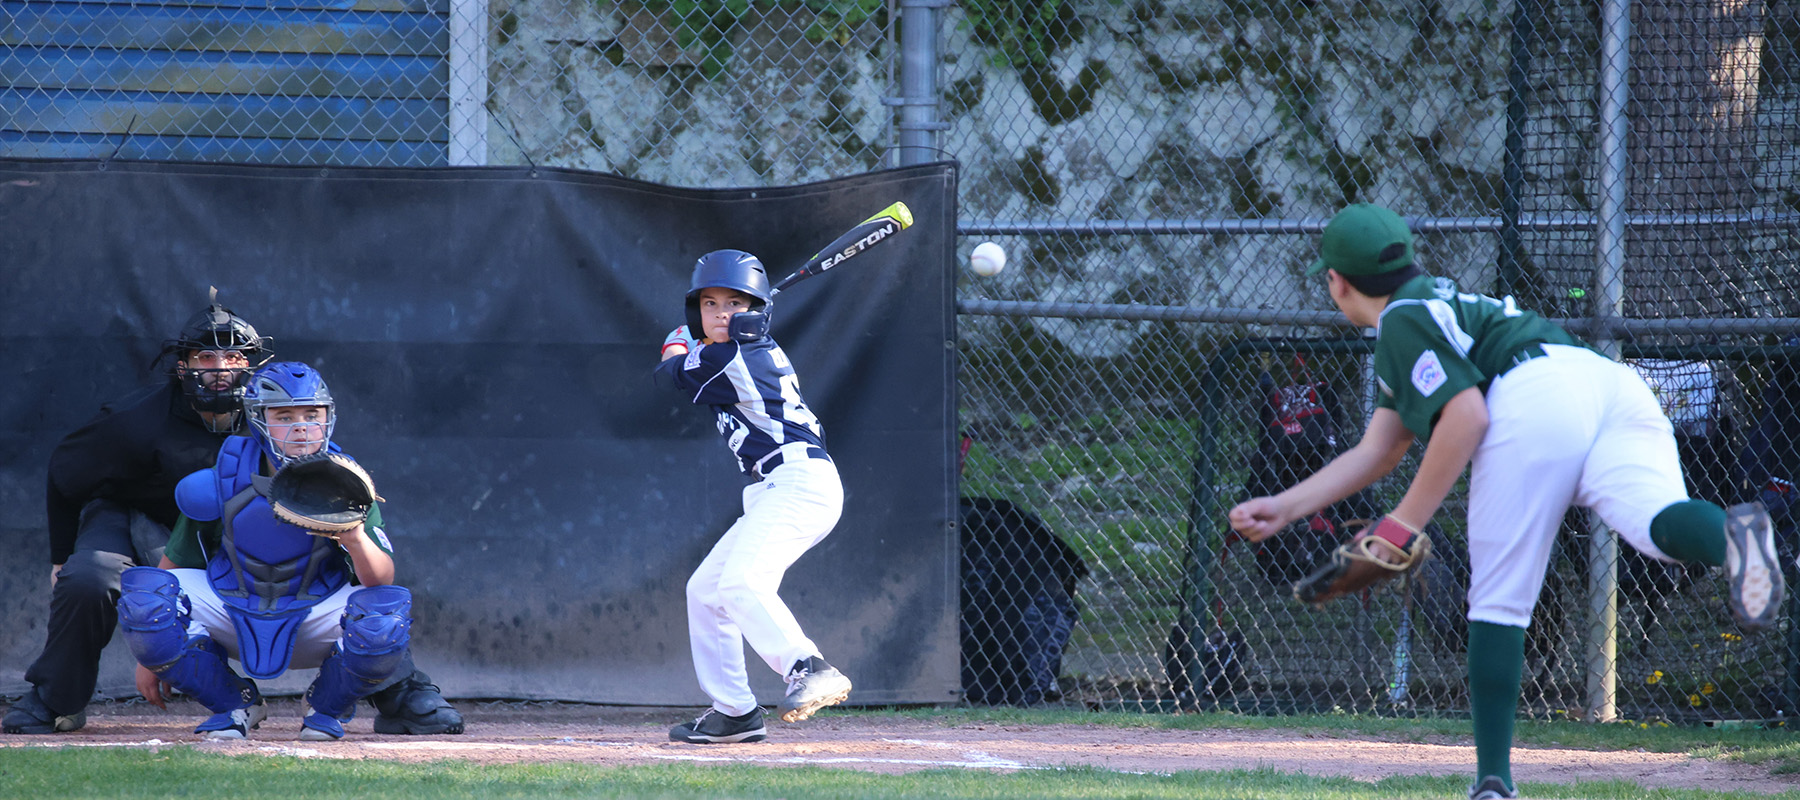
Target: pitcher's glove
(1386,549)
(325,493)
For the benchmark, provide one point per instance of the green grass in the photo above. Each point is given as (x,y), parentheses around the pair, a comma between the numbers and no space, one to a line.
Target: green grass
(186,772)
(1777,749)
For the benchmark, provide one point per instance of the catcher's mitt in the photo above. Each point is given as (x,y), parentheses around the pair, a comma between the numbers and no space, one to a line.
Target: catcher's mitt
(1383,550)
(325,493)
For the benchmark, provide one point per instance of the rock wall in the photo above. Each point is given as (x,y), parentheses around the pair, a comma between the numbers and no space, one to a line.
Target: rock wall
(1143,110)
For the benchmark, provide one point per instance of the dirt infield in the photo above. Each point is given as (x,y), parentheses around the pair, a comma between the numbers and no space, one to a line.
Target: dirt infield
(510,733)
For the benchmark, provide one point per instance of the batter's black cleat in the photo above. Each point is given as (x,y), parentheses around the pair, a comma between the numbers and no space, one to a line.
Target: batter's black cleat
(414,706)
(30,716)
(812,685)
(714,727)
(1490,788)
(1751,566)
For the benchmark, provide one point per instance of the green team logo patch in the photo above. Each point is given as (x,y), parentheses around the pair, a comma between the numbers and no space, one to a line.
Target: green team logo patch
(1428,373)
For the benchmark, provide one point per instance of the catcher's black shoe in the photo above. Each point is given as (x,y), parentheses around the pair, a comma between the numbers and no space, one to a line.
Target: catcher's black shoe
(812,685)
(1751,566)
(1490,788)
(415,706)
(714,727)
(30,716)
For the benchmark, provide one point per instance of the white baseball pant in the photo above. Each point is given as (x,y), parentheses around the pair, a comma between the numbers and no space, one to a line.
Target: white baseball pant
(312,643)
(731,598)
(1571,428)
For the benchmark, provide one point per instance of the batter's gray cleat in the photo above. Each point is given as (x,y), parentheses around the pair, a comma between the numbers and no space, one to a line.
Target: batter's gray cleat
(1751,566)
(31,716)
(415,706)
(234,725)
(714,727)
(1490,788)
(812,685)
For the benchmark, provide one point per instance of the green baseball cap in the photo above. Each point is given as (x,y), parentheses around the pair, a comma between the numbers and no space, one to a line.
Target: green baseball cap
(1364,239)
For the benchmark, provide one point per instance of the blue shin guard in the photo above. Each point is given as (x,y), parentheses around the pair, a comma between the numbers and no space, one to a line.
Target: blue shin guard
(154,615)
(377,629)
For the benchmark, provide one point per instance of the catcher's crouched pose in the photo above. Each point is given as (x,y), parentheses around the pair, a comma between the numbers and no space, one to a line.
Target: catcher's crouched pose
(1546,423)
(264,590)
(792,502)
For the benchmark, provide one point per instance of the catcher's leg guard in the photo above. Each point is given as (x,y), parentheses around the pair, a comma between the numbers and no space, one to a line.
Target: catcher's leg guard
(154,616)
(377,629)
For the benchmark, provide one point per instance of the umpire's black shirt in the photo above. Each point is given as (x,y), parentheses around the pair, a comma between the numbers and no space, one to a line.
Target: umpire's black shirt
(133,453)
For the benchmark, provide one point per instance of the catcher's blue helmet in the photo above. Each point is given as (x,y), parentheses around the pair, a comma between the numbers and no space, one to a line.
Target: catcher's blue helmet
(728,269)
(281,384)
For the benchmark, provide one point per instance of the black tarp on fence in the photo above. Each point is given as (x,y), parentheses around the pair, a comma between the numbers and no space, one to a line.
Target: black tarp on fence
(489,334)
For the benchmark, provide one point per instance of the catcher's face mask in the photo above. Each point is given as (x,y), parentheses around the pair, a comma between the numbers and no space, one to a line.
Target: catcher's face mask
(296,431)
(290,410)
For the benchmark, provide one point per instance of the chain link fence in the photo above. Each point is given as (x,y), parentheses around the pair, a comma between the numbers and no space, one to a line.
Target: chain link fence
(1158,171)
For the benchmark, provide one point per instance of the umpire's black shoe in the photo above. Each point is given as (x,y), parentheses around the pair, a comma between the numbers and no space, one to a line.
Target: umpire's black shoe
(1752,567)
(1490,788)
(31,716)
(414,706)
(714,727)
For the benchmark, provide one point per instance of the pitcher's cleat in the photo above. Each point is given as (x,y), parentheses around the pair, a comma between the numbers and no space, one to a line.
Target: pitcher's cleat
(1751,567)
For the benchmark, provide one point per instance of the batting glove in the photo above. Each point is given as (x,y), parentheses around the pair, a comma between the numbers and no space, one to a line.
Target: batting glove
(679,341)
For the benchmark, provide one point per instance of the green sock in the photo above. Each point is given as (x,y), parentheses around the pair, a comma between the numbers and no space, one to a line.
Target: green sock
(1496,662)
(1691,531)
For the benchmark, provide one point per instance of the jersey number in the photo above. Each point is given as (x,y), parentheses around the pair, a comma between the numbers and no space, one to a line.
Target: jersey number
(790,393)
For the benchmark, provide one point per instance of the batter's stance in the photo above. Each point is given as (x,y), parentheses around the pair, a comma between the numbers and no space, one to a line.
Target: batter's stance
(792,502)
(1547,423)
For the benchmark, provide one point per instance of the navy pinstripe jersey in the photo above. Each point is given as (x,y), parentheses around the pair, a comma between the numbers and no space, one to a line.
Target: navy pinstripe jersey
(753,390)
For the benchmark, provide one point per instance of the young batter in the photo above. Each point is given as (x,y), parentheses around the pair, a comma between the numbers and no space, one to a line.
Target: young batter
(1546,422)
(792,502)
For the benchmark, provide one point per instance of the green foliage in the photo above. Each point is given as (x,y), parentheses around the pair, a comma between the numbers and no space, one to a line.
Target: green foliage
(1022,33)
(709,23)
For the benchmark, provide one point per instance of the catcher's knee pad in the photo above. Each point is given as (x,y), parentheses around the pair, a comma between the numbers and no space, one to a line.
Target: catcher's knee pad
(377,623)
(154,615)
(377,626)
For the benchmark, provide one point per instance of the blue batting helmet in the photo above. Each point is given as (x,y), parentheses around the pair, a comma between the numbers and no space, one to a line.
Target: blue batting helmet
(728,269)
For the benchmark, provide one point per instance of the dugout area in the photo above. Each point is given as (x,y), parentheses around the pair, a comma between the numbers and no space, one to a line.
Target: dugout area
(489,335)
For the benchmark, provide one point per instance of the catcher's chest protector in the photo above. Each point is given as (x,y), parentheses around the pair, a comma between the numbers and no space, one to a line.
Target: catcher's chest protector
(268,573)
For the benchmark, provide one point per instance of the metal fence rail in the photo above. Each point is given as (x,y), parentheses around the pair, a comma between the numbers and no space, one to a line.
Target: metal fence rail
(1158,174)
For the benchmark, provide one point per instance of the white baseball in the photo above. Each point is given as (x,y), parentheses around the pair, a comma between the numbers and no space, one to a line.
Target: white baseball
(988,259)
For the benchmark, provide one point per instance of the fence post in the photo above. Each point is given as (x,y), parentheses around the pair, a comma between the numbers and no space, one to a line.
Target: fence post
(1609,294)
(468,83)
(916,123)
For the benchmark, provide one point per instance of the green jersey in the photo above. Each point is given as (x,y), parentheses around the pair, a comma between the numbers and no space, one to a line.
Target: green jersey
(190,541)
(1434,341)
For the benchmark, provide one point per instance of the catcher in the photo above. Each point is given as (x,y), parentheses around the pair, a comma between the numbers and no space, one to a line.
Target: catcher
(299,576)
(1545,422)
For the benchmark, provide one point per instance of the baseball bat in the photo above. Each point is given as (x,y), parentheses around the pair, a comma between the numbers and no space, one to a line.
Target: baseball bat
(854,242)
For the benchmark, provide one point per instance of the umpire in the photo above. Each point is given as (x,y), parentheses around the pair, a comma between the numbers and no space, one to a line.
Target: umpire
(111,502)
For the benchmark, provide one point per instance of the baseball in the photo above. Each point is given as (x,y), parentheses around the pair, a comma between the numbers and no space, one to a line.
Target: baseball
(988,259)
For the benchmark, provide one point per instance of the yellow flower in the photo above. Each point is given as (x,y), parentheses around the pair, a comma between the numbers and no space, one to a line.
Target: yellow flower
(1731,637)
(1695,701)
(1654,678)
(1708,688)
